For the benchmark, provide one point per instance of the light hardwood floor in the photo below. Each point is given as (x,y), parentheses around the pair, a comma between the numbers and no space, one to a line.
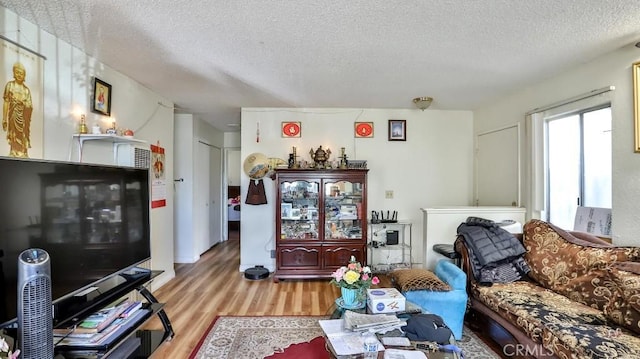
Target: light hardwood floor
(213,286)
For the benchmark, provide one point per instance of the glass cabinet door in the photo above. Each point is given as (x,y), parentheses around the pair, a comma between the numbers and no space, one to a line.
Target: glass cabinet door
(343,210)
(299,210)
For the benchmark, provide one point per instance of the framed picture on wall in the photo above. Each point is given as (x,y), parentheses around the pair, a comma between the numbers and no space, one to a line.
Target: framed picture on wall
(397,130)
(636,104)
(363,130)
(291,129)
(22,77)
(101,97)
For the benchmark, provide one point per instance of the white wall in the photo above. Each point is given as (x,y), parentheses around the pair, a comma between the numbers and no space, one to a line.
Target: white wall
(184,187)
(68,74)
(233,159)
(432,168)
(233,167)
(611,69)
(189,129)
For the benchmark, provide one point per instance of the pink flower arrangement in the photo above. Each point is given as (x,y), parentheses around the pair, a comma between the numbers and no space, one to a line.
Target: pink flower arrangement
(4,350)
(354,276)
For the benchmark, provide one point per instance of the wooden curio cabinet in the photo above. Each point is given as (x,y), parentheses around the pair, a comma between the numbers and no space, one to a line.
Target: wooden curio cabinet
(321,221)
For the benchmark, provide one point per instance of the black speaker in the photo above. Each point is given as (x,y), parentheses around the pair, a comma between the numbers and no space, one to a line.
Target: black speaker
(392,237)
(35,317)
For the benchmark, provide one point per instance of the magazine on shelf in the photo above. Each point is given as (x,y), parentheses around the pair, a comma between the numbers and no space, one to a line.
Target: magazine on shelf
(106,336)
(133,307)
(101,319)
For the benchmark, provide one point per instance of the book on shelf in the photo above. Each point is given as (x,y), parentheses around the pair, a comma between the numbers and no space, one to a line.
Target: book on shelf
(101,319)
(133,307)
(97,321)
(106,336)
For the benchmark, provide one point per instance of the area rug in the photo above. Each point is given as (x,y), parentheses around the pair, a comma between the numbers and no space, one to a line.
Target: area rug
(287,337)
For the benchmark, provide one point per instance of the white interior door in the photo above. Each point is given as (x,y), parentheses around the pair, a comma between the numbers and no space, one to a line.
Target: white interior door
(201,198)
(498,167)
(216,199)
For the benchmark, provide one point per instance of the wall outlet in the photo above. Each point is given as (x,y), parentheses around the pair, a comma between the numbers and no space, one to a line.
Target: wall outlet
(273,253)
(388,194)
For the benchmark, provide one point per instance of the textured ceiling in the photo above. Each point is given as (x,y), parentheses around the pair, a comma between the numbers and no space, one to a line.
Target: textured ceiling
(212,57)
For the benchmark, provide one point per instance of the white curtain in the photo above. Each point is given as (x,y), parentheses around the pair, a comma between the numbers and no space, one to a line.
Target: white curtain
(537,174)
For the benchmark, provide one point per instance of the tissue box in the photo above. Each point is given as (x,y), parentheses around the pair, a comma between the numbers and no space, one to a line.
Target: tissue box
(385,300)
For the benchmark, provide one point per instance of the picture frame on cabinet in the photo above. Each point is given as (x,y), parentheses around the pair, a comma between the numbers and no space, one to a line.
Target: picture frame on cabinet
(101,97)
(285,210)
(397,130)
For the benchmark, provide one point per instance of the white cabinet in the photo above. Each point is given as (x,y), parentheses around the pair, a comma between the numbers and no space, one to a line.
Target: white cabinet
(440,225)
(389,246)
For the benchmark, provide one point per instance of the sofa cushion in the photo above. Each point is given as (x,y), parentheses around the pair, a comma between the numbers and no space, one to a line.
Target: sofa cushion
(624,307)
(417,279)
(567,328)
(570,266)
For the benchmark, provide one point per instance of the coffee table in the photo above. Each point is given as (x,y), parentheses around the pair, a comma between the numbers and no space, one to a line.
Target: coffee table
(336,312)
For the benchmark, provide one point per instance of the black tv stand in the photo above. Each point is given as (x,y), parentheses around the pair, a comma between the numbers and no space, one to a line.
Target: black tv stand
(132,343)
(166,323)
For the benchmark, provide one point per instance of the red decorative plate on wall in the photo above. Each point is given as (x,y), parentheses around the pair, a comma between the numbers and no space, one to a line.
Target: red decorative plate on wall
(291,129)
(364,129)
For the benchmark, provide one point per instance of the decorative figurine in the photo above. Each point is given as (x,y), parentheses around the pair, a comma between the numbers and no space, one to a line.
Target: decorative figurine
(293,159)
(82,127)
(320,157)
(113,130)
(343,159)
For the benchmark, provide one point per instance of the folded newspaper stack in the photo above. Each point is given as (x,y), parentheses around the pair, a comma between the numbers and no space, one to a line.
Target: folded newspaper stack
(379,323)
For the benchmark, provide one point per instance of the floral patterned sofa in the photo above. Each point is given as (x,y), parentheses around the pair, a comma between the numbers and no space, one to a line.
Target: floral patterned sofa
(581,298)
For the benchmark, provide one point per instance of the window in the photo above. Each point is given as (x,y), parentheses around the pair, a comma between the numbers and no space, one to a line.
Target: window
(578,163)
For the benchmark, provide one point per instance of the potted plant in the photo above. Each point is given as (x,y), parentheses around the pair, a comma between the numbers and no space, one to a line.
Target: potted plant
(353,280)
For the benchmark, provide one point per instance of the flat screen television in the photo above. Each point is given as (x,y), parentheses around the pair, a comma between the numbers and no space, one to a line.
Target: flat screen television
(93,220)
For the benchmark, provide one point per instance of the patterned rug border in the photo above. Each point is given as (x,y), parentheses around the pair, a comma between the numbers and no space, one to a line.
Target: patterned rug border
(204,336)
(215,319)
(470,342)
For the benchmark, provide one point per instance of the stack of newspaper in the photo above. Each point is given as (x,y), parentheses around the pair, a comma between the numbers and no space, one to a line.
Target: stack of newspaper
(379,323)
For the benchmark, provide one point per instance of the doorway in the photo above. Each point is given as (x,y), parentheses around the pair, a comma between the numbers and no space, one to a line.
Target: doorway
(233,192)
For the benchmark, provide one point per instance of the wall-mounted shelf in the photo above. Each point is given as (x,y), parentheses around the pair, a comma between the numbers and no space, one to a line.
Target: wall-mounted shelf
(117,141)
